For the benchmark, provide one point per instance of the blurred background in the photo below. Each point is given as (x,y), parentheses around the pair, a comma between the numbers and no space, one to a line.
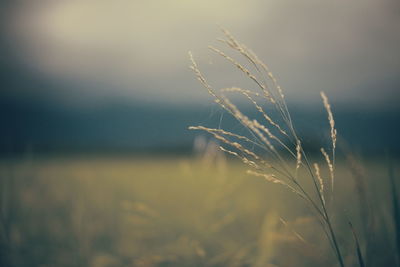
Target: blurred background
(98,167)
(106,76)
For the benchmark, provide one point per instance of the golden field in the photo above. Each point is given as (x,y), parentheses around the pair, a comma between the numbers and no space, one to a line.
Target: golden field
(177,211)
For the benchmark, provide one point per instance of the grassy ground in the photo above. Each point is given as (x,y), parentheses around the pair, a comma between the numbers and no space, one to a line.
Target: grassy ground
(175,211)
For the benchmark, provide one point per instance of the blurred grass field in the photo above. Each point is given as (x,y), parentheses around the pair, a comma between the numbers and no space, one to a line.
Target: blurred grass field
(176,211)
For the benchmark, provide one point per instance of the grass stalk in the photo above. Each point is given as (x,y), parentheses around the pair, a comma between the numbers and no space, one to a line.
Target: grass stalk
(272,94)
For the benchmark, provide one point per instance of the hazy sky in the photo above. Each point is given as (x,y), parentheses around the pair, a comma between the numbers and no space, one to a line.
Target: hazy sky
(138,49)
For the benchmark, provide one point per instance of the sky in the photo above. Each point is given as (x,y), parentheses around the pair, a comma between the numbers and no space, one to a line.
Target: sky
(89,52)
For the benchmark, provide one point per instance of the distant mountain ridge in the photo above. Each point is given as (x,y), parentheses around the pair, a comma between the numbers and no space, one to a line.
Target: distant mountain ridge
(135,127)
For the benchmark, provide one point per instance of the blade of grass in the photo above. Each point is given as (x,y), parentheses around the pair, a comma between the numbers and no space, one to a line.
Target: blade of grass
(359,254)
(395,209)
